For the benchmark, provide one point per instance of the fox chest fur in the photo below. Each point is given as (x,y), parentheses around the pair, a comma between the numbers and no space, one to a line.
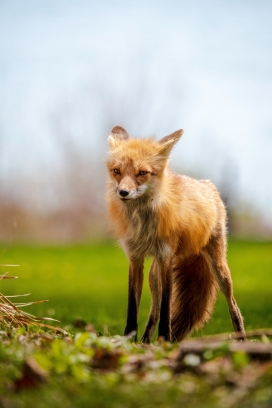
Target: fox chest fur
(142,237)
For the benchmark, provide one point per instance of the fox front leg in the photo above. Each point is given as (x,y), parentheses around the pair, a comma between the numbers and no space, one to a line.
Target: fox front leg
(160,283)
(135,285)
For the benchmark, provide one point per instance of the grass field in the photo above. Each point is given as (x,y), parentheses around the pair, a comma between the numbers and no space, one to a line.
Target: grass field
(89,282)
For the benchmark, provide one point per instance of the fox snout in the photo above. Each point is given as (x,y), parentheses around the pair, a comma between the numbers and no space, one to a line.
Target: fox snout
(128,189)
(123,193)
(126,194)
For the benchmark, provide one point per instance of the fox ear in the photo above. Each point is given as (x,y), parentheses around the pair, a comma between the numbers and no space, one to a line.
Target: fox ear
(168,142)
(117,133)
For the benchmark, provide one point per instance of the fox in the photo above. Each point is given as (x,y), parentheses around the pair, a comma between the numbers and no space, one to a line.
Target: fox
(178,221)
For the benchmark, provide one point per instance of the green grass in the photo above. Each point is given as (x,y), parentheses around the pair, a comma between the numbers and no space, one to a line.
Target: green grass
(89,282)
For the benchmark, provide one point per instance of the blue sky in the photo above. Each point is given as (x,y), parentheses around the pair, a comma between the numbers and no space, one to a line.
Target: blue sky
(153,67)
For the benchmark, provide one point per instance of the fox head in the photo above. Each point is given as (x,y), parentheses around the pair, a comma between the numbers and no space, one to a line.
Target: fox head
(136,165)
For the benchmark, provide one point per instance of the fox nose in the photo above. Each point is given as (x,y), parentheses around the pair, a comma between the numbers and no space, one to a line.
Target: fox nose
(124,193)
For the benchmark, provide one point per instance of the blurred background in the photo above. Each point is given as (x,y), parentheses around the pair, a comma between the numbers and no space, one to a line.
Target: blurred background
(70,70)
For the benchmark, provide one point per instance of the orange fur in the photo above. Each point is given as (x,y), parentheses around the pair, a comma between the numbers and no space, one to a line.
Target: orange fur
(177,220)
(194,295)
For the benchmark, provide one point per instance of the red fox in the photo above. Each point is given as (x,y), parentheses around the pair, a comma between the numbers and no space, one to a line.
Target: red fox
(181,223)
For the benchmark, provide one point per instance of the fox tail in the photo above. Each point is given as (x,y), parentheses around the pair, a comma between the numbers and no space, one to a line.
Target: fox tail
(194,295)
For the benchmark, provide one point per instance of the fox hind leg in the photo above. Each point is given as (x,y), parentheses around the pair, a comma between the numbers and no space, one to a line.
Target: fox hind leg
(165,312)
(160,283)
(156,298)
(222,275)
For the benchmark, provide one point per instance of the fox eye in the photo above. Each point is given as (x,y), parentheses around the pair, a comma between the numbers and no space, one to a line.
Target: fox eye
(116,171)
(142,173)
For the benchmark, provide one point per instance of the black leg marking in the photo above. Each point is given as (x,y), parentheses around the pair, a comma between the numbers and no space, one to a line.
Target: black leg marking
(146,336)
(164,324)
(238,324)
(131,313)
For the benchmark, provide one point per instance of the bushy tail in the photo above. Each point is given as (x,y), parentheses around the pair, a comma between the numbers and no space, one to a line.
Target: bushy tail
(194,294)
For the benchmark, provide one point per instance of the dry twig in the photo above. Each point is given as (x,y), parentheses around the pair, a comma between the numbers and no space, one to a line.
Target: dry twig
(12,316)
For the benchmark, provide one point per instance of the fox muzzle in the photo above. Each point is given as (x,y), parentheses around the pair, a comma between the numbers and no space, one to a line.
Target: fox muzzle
(123,193)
